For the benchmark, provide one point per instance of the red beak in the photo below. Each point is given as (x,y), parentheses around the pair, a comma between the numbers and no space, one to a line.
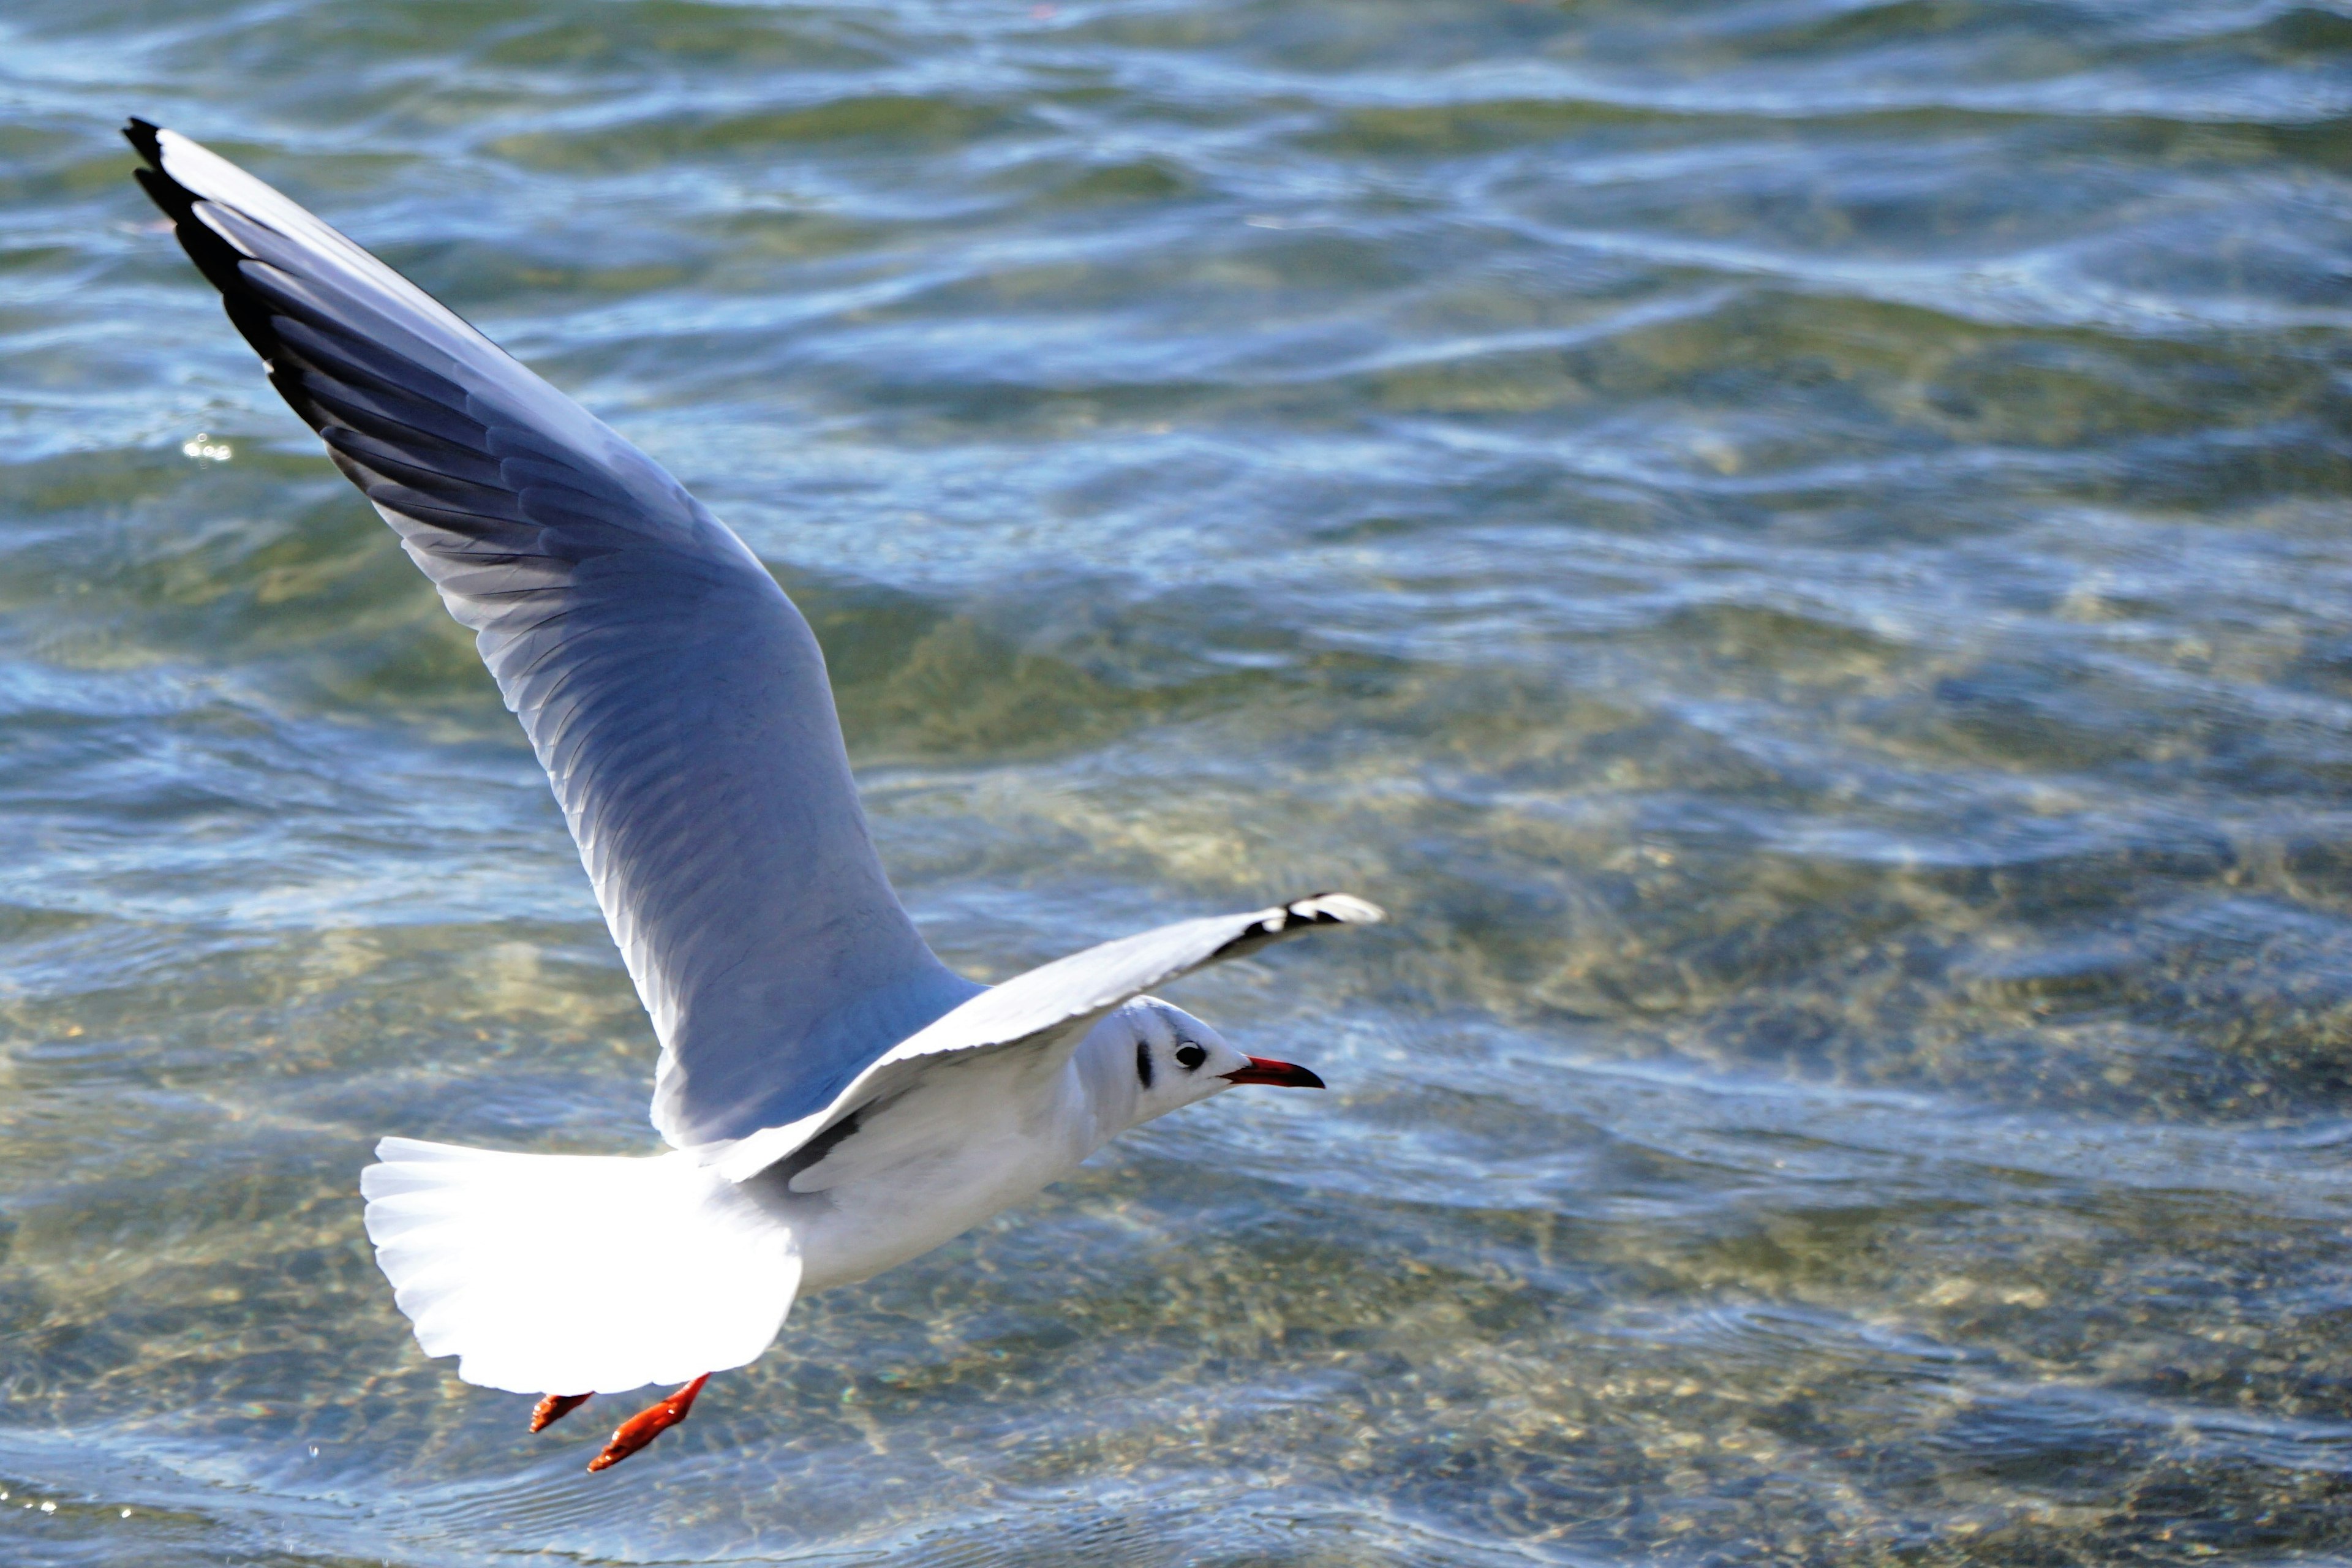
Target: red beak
(1282,1075)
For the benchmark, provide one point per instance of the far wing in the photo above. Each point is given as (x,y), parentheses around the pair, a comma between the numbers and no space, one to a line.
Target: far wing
(1050,1007)
(676,698)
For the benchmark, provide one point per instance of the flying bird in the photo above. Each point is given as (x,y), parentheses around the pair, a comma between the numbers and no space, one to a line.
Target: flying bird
(836,1100)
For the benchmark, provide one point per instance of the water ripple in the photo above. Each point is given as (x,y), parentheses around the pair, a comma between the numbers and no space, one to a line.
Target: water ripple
(1799,545)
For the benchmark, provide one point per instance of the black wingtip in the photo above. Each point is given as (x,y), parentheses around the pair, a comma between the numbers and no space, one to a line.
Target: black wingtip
(215,256)
(143,135)
(164,190)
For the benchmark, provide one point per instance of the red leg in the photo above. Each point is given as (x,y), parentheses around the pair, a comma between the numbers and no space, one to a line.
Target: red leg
(648,1424)
(555,1408)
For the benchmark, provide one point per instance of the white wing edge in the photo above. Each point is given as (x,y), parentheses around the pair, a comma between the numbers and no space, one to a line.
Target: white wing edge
(1076,990)
(214,178)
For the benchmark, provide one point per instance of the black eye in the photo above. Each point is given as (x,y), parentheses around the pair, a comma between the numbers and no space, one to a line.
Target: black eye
(1190,1057)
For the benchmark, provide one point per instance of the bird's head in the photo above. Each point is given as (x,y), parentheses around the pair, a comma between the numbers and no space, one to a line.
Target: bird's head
(1150,1057)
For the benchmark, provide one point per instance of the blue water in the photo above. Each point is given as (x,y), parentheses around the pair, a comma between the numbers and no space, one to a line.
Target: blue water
(1801,547)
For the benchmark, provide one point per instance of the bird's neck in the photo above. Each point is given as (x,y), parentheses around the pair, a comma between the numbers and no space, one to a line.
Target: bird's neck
(1105,1064)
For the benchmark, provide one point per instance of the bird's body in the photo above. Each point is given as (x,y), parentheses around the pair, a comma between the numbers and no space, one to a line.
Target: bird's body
(837,1100)
(975,1138)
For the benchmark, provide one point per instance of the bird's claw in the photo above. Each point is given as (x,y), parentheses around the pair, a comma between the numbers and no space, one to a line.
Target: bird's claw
(648,1424)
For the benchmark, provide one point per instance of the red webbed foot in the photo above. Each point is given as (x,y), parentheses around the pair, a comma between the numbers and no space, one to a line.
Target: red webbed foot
(555,1408)
(648,1424)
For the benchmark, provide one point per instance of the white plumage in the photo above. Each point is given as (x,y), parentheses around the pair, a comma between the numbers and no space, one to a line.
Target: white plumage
(567,1272)
(838,1100)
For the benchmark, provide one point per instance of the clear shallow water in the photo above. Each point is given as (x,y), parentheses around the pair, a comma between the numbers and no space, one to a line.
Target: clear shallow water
(1801,547)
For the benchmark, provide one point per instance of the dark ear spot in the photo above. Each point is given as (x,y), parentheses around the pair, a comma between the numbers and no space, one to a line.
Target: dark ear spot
(1143,1063)
(1191,1056)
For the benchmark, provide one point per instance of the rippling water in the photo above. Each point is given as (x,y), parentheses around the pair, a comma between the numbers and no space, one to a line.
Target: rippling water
(1801,547)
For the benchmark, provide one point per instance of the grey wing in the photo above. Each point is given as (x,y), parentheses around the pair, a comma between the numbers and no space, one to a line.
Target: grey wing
(1050,1007)
(676,698)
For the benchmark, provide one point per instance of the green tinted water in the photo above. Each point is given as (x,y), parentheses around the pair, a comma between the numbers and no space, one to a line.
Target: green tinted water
(1801,546)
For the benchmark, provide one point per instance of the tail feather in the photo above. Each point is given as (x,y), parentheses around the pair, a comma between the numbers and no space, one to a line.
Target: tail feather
(567,1273)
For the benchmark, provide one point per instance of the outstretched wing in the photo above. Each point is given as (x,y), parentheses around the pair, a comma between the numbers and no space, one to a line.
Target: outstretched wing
(676,698)
(1052,1006)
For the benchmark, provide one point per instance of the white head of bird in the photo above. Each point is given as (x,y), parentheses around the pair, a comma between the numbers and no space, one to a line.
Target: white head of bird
(1151,1057)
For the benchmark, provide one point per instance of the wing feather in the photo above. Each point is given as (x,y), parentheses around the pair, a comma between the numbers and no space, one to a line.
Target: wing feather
(676,698)
(1051,1007)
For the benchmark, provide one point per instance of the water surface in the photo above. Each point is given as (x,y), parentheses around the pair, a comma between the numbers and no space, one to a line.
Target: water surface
(1801,547)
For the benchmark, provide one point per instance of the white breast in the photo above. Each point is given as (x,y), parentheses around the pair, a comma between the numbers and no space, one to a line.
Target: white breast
(970,1139)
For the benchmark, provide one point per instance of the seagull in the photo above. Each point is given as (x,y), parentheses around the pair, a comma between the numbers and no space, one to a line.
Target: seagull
(835,1100)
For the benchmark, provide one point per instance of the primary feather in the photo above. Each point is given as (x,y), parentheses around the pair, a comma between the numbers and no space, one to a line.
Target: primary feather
(676,698)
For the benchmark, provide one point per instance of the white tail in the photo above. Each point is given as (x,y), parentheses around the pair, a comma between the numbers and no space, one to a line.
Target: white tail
(573,1274)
